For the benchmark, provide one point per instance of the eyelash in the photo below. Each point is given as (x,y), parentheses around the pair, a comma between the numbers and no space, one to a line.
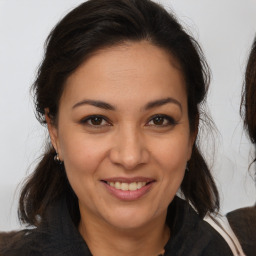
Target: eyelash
(90,118)
(170,121)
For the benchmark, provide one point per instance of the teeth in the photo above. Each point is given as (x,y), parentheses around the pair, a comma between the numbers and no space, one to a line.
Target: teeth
(133,186)
(124,186)
(127,186)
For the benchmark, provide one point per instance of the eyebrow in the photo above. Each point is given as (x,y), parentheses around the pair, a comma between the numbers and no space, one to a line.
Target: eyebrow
(96,103)
(107,106)
(161,102)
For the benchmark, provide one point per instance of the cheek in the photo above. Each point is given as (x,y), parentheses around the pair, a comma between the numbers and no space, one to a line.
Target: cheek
(171,159)
(81,155)
(82,158)
(173,163)
(173,154)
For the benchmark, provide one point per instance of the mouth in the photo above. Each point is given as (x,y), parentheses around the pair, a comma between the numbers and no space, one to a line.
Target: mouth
(128,189)
(125,186)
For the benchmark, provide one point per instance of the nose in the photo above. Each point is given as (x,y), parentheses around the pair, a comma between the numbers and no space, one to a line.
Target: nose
(129,149)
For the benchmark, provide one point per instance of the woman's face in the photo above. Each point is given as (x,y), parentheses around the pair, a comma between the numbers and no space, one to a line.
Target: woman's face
(123,134)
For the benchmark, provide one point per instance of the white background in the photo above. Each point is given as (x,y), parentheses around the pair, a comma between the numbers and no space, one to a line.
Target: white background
(225,30)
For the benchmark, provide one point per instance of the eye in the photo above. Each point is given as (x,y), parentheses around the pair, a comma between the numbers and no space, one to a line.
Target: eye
(96,120)
(161,121)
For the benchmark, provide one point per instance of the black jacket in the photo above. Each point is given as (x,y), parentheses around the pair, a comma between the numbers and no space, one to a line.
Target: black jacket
(243,223)
(191,236)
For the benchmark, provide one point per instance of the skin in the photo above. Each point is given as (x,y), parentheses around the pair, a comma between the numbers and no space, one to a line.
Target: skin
(129,141)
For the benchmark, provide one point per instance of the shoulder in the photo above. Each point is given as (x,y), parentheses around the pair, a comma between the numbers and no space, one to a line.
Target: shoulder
(208,241)
(245,215)
(243,223)
(199,237)
(216,245)
(18,243)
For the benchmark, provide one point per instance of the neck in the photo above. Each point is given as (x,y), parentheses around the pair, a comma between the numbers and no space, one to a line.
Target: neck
(105,240)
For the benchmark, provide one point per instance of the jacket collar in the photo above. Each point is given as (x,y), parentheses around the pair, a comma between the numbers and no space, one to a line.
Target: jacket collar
(62,236)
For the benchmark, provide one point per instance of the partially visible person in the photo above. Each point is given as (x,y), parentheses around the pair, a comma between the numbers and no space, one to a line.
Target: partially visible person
(243,221)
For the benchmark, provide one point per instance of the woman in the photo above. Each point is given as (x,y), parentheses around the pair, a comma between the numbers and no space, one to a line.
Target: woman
(121,89)
(243,221)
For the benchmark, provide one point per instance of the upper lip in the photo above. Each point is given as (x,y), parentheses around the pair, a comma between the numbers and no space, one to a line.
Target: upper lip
(129,180)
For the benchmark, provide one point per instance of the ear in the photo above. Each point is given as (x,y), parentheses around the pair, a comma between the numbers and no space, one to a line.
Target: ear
(52,129)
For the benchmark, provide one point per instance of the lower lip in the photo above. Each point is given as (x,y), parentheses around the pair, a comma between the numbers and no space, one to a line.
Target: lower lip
(128,195)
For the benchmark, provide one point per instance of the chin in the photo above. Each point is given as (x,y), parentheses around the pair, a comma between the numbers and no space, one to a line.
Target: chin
(130,218)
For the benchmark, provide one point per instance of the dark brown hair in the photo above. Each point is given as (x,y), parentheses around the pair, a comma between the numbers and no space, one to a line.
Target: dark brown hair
(94,25)
(248,104)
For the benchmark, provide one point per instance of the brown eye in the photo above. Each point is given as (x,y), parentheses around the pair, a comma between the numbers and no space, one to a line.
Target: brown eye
(96,120)
(161,121)
(158,120)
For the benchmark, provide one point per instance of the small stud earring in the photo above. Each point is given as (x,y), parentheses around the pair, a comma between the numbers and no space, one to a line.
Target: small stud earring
(57,159)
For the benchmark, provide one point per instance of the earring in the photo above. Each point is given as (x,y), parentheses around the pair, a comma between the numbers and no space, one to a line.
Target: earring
(187,169)
(57,159)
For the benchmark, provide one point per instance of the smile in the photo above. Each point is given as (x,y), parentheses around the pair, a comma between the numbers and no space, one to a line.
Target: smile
(128,189)
(127,186)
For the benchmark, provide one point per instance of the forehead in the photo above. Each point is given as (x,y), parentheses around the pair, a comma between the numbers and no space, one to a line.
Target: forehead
(128,70)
